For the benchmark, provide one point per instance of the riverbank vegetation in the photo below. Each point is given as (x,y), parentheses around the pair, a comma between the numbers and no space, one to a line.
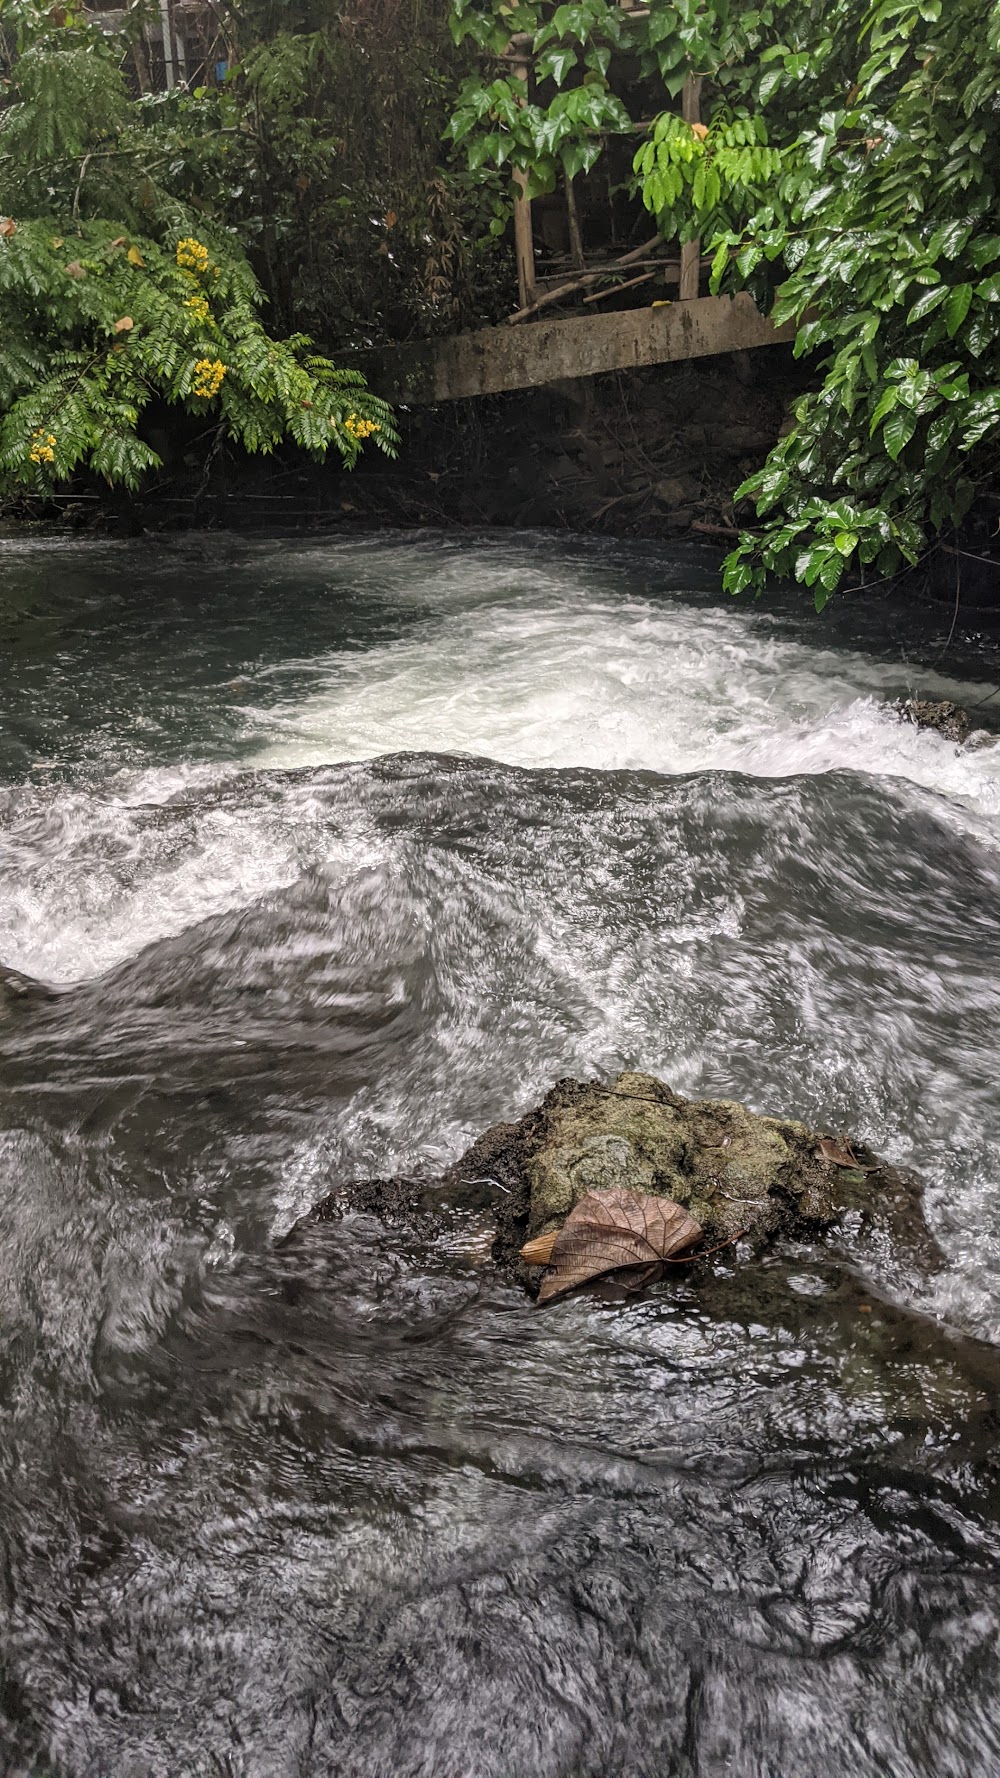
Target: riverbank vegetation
(846,173)
(349,181)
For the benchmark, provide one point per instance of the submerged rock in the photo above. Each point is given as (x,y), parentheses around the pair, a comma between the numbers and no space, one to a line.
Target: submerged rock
(19,991)
(735,1171)
(945,718)
(402,1199)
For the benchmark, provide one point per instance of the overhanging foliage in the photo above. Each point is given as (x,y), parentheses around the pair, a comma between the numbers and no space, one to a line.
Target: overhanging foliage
(849,156)
(115,288)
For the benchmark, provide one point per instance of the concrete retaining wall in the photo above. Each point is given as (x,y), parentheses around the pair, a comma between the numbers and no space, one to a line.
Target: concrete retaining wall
(536,352)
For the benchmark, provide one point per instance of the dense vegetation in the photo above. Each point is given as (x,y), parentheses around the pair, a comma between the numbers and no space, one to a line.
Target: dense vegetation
(145,235)
(845,172)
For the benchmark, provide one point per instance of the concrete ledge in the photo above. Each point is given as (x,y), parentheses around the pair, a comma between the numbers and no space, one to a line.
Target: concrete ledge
(536,352)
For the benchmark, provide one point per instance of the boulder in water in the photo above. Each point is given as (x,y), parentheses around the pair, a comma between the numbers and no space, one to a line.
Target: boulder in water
(946,718)
(736,1172)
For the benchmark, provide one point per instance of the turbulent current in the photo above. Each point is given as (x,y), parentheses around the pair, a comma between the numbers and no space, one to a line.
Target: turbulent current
(315,860)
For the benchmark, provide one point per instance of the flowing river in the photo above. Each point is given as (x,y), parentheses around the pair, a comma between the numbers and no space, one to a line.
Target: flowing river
(321,857)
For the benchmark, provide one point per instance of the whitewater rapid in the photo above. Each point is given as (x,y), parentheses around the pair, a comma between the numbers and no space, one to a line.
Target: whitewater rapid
(324,857)
(499,651)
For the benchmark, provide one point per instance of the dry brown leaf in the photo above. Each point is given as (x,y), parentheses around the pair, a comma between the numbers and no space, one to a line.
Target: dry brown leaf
(611,1230)
(617,1287)
(124,324)
(539,1251)
(391,219)
(8,227)
(700,130)
(75,269)
(119,241)
(842,1155)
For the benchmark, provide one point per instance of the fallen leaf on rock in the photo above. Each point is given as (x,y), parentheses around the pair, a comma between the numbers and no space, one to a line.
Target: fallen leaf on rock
(842,1155)
(617,1287)
(539,1251)
(611,1230)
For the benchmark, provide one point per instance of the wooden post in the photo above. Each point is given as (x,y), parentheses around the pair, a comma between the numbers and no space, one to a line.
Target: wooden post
(690,250)
(573,225)
(169,74)
(524,244)
(140,56)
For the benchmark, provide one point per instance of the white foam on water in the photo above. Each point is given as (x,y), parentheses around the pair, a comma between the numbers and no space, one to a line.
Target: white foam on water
(550,671)
(89,877)
(511,656)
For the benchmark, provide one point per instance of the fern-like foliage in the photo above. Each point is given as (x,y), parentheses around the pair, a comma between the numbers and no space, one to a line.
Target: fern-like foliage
(113,291)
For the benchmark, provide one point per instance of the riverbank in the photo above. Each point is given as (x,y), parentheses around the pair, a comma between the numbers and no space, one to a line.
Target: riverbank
(655,453)
(652,455)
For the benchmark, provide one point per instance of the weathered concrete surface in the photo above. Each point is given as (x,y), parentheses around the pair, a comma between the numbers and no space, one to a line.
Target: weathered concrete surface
(500,358)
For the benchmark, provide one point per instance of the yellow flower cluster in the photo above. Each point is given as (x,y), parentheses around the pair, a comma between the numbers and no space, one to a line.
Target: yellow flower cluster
(191,255)
(208,375)
(198,306)
(358,428)
(43,447)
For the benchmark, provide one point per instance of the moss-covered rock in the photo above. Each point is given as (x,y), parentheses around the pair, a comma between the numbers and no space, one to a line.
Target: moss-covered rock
(735,1171)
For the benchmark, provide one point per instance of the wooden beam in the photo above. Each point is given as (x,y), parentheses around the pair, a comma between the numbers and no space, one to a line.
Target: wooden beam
(599,296)
(578,283)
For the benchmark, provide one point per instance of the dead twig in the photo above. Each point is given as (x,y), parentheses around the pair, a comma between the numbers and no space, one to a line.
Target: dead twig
(706,1252)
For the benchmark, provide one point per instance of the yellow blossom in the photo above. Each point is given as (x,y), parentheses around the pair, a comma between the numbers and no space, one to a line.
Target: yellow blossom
(359,429)
(208,375)
(192,255)
(198,306)
(42,446)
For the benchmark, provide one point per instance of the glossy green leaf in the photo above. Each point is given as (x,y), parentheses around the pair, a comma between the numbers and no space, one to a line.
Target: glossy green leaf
(956,307)
(898,430)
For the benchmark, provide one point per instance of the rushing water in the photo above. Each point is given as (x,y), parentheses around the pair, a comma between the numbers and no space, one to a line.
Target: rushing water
(323,857)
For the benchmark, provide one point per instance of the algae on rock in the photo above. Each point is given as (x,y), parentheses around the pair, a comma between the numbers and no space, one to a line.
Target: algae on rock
(734,1170)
